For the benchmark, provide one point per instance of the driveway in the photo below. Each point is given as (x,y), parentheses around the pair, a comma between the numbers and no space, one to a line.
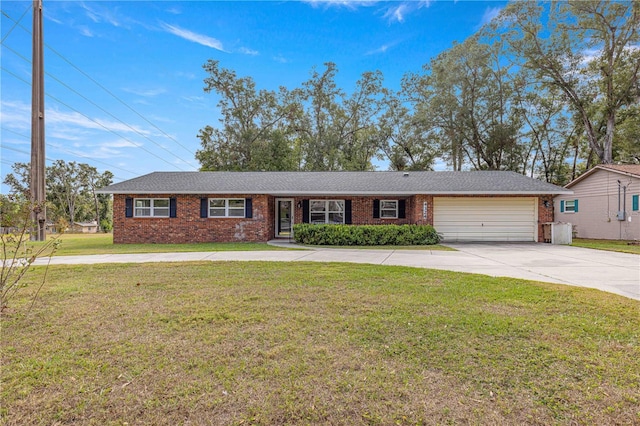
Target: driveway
(617,273)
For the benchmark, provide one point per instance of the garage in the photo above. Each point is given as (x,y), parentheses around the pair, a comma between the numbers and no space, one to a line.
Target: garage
(486,219)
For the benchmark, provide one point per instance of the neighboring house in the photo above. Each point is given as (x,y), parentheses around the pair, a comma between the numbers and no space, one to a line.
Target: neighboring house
(182,207)
(604,204)
(85,227)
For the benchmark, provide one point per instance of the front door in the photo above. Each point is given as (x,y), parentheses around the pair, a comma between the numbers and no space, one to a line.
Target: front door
(284,217)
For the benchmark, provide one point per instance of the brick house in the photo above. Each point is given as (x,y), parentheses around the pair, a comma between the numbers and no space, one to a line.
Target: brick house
(605,203)
(187,207)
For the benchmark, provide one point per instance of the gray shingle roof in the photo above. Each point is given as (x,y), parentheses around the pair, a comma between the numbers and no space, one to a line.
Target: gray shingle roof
(334,183)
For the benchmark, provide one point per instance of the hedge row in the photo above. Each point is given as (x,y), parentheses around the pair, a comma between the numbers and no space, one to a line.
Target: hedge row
(365,235)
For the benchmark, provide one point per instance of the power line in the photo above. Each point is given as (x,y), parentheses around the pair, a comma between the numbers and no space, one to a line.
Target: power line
(100,108)
(96,122)
(110,166)
(106,90)
(15,22)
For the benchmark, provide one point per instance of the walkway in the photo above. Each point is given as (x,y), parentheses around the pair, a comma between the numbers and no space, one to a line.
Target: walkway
(612,272)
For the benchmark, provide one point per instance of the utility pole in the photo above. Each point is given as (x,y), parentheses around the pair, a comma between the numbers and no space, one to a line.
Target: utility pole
(37,181)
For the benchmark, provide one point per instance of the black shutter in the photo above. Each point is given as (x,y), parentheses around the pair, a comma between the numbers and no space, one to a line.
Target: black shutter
(402,207)
(172,207)
(128,207)
(305,211)
(248,208)
(347,212)
(376,209)
(204,207)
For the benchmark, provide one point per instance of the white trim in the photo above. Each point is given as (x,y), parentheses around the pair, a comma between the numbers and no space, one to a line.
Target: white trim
(327,212)
(396,209)
(151,208)
(227,208)
(277,218)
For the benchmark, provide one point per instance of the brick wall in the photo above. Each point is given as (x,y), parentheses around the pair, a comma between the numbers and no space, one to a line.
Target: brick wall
(189,227)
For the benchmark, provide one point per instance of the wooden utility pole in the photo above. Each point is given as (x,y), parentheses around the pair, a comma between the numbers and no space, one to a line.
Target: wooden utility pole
(37,181)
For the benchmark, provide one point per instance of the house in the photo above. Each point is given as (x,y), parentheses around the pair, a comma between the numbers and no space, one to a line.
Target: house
(85,227)
(181,207)
(604,204)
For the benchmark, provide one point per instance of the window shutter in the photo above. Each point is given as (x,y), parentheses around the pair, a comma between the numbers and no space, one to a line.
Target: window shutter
(305,211)
(204,207)
(248,208)
(347,212)
(561,206)
(128,207)
(635,201)
(402,209)
(576,206)
(172,207)
(376,209)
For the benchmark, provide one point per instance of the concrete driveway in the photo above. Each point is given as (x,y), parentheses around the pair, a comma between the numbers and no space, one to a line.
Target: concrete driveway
(617,273)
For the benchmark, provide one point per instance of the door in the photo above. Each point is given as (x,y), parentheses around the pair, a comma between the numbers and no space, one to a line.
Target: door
(486,218)
(284,217)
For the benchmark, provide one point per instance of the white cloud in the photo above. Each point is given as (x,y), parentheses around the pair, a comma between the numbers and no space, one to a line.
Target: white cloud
(381,49)
(194,37)
(85,31)
(349,4)
(281,59)
(146,93)
(248,51)
(490,14)
(398,12)
(101,15)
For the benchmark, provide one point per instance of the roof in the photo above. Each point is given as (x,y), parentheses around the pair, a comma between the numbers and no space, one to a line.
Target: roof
(623,169)
(335,183)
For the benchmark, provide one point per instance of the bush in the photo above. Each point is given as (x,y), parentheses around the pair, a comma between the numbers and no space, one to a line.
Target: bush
(365,235)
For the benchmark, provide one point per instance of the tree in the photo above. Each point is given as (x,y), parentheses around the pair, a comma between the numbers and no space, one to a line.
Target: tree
(18,181)
(92,180)
(406,140)
(251,120)
(467,93)
(588,50)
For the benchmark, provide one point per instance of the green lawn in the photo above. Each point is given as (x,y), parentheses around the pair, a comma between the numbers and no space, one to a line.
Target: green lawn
(303,343)
(78,244)
(610,245)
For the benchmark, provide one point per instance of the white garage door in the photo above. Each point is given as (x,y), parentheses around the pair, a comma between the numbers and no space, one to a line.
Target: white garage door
(486,219)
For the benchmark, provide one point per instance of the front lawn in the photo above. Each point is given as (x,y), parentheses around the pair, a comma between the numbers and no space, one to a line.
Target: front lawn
(79,244)
(303,343)
(609,245)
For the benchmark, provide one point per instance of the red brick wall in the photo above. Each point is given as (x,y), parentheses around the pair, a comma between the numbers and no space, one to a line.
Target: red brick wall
(189,227)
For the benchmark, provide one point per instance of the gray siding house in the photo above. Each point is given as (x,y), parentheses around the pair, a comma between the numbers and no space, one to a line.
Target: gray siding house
(604,204)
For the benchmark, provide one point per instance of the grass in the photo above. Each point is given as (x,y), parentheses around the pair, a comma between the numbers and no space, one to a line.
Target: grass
(609,245)
(79,244)
(340,344)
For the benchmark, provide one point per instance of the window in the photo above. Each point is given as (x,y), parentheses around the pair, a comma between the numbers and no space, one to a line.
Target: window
(388,209)
(226,207)
(151,207)
(635,203)
(569,206)
(326,211)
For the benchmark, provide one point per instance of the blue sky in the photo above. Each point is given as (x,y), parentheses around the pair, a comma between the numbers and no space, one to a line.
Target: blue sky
(124,83)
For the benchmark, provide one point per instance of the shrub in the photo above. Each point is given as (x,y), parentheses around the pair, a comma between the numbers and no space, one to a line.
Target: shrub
(365,235)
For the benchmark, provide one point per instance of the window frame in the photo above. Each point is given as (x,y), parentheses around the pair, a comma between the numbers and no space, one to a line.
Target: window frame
(227,208)
(395,209)
(152,208)
(573,206)
(327,212)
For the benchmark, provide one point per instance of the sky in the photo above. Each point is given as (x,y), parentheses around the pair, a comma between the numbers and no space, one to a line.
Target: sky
(124,79)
